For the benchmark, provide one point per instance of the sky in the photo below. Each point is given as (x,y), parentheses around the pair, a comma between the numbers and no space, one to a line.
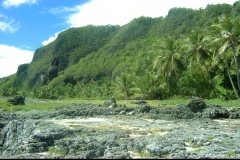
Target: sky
(26,25)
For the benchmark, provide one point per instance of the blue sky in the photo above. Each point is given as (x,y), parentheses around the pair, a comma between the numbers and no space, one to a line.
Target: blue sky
(26,25)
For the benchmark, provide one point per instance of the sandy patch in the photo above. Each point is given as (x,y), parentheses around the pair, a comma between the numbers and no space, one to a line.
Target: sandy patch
(77,121)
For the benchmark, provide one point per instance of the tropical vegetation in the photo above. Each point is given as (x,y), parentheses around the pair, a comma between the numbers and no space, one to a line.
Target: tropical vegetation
(187,53)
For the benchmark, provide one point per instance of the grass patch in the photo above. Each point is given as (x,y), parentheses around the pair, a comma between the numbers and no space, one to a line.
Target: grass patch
(145,154)
(231,154)
(121,141)
(103,127)
(225,139)
(48,105)
(209,138)
(33,104)
(156,131)
(196,146)
(166,156)
(82,134)
(189,140)
(200,150)
(5,106)
(223,103)
(56,151)
(78,150)
(128,103)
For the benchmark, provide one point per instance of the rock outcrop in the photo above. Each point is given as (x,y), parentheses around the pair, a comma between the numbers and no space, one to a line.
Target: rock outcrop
(197,108)
(89,131)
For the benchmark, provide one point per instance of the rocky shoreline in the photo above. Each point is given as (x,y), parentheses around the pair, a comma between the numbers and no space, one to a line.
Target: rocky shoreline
(112,131)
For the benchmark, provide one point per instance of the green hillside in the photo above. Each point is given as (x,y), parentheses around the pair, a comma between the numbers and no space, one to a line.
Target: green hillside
(187,53)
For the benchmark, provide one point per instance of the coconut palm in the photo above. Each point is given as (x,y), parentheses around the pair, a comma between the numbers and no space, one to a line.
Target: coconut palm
(197,46)
(225,61)
(227,33)
(169,60)
(151,85)
(123,86)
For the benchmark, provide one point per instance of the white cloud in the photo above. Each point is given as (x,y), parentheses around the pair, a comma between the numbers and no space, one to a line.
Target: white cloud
(10,3)
(51,39)
(62,9)
(104,12)
(11,57)
(121,12)
(8,24)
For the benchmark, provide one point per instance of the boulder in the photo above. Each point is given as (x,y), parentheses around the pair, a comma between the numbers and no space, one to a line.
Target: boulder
(17,100)
(145,108)
(215,112)
(197,108)
(196,104)
(182,112)
(110,103)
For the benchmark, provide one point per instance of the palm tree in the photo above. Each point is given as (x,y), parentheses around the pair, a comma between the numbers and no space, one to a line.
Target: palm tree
(227,33)
(223,61)
(170,59)
(123,86)
(151,85)
(229,75)
(198,52)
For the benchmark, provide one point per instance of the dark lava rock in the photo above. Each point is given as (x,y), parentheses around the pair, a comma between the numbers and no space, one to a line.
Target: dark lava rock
(193,109)
(215,112)
(145,108)
(138,102)
(196,104)
(17,100)
(182,112)
(110,103)
(197,108)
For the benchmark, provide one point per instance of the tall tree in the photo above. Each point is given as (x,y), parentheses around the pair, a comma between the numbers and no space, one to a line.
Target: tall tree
(225,61)
(123,86)
(151,85)
(170,60)
(198,52)
(227,33)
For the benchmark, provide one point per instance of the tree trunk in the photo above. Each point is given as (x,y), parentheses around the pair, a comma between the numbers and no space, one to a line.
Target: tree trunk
(211,82)
(229,75)
(236,65)
(225,83)
(178,82)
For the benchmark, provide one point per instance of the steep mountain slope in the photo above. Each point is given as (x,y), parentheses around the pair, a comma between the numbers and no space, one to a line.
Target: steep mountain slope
(69,47)
(91,53)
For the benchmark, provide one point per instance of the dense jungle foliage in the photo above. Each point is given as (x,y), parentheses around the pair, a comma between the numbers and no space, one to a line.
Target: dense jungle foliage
(187,53)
